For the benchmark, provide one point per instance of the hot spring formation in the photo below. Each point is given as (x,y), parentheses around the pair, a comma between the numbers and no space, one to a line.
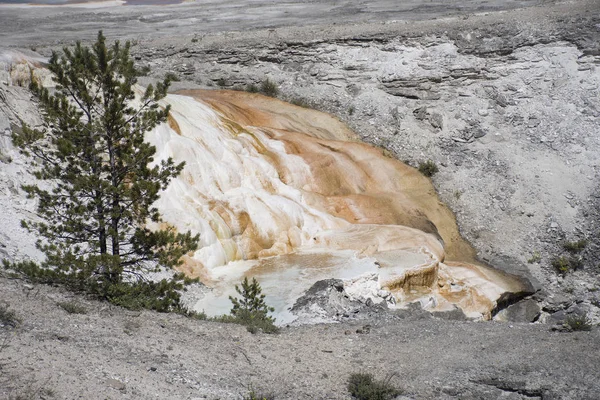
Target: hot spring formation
(290,196)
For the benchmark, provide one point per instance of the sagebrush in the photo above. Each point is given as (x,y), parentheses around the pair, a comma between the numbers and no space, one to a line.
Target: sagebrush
(579,322)
(8,318)
(72,307)
(428,168)
(363,386)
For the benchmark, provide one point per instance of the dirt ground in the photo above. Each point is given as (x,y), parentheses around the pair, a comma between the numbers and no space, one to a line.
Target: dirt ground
(109,353)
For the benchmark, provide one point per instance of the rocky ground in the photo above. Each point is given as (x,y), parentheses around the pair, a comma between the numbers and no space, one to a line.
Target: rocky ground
(109,353)
(506,103)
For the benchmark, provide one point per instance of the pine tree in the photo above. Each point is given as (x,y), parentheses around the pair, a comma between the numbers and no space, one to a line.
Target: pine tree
(252,301)
(100,179)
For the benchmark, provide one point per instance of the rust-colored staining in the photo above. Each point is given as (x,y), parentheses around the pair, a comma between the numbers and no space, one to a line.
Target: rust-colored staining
(233,127)
(173,124)
(257,110)
(193,268)
(424,276)
(370,203)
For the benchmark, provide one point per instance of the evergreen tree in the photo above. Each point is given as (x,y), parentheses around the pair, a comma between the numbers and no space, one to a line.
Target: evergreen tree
(252,301)
(100,177)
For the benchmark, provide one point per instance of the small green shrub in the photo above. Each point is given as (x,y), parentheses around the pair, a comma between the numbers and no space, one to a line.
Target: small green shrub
(575,247)
(72,307)
(351,110)
(194,40)
(569,289)
(579,322)
(256,322)
(252,88)
(5,159)
(535,258)
(254,395)
(222,82)
(8,317)
(563,265)
(200,316)
(269,88)
(250,321)
(428,168)
(172,77)
(362,386)
(300,102)
(144,71)
(131,326)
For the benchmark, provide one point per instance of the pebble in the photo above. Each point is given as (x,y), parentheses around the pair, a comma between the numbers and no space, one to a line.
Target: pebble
(116,384)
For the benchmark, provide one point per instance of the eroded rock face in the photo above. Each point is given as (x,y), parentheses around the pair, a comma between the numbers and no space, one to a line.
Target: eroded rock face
(289,195)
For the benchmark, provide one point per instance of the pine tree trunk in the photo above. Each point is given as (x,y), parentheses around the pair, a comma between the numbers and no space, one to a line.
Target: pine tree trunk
(115,201)
(102,226)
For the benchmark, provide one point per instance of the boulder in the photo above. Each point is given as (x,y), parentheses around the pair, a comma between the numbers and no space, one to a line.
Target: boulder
(328,301)
(523,311)
(556,303)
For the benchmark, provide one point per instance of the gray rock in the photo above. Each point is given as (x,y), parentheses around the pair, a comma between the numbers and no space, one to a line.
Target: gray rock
(478,133)
(561,317)
(502,100)
(420,113)
(116,384)
(326,298)
(532,122)
(513,266)
(436,120)
(353,89)
(523,311)
(412,93)
(556,303)
(454,315)
(4,121)
(412,312)
(580,309)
